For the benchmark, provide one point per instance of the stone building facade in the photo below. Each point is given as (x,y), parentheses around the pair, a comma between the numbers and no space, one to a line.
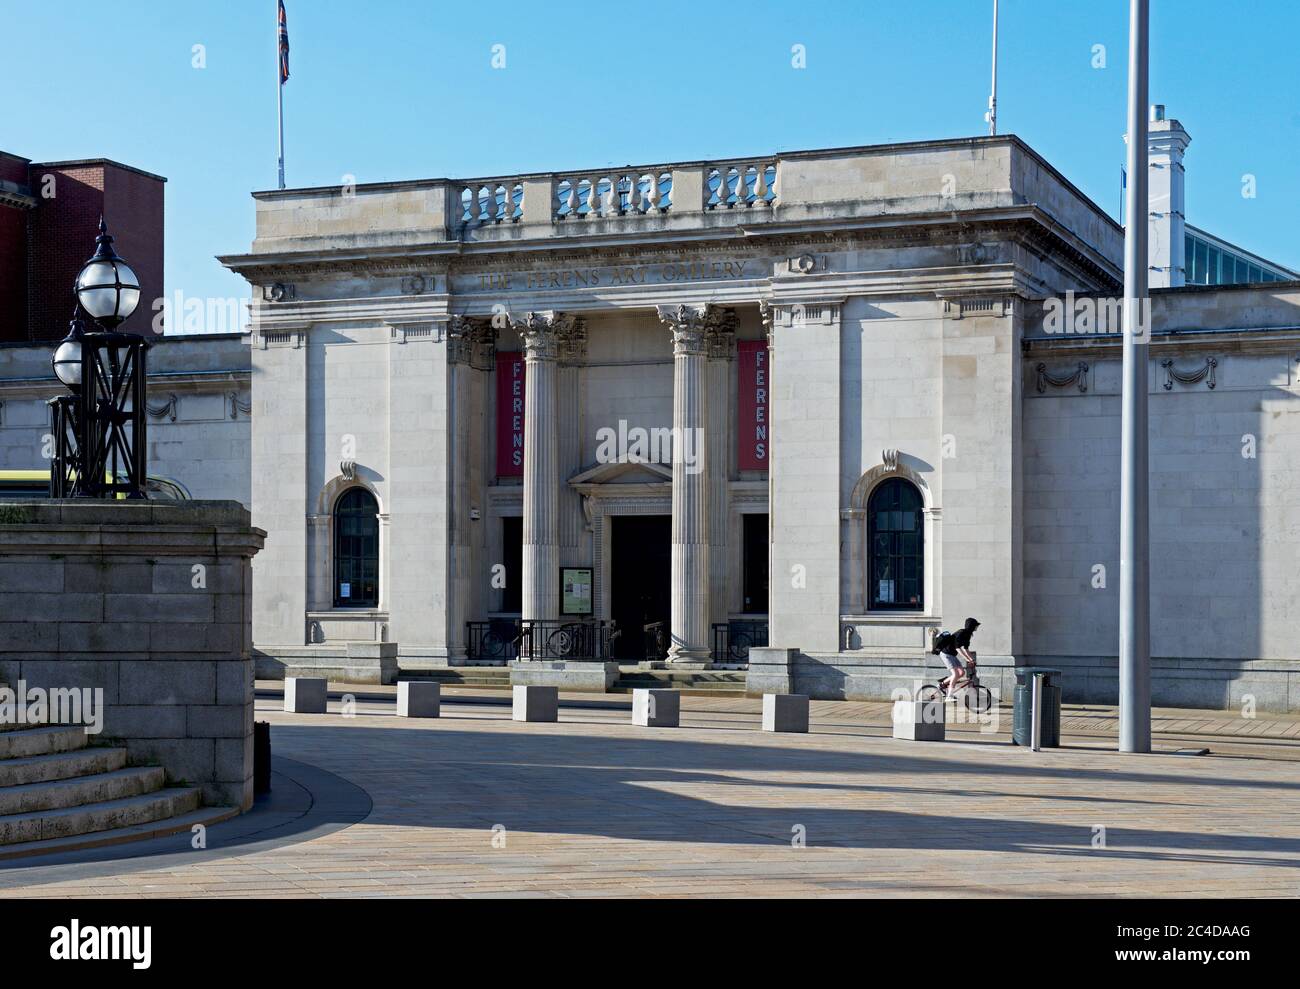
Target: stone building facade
(887,283)
(819,404)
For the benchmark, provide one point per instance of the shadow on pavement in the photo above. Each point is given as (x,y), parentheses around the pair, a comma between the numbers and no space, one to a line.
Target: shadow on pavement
(623,788)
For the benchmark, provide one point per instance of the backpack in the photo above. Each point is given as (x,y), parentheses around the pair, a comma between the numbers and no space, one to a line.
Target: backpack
(943,642)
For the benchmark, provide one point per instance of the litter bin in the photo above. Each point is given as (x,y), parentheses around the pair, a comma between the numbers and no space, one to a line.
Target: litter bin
(1050,716)
(261,757)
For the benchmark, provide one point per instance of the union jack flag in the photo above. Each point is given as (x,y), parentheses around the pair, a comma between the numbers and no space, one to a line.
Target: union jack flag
(284,45)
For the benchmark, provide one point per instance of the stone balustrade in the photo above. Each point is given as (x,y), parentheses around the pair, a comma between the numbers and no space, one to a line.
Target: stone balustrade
(742,185)
(484,201)
(623,192)
(649,190)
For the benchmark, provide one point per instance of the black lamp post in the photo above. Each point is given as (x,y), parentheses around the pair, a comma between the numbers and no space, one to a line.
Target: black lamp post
(99,429)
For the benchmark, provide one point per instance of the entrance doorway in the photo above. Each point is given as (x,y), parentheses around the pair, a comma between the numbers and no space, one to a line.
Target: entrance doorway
(512,556)
(755,562)
(640,580)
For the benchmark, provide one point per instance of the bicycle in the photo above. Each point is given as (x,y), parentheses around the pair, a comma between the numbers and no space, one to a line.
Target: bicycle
(976,697)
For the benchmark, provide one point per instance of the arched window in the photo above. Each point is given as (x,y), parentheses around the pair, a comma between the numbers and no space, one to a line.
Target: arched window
(356,550)
(896,541)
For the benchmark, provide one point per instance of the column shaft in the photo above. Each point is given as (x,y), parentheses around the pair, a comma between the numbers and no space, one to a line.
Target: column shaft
(689,626)
(544,333)
(541,555)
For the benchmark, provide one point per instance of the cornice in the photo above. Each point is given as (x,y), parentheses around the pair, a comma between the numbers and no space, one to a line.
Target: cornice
(1029,224)
(1264,341)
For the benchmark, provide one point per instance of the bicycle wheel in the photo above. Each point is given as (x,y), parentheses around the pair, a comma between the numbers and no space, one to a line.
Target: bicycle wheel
(978,699)
(930,692)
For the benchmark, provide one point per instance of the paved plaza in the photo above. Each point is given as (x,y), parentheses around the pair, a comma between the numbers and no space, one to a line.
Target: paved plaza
(474,804)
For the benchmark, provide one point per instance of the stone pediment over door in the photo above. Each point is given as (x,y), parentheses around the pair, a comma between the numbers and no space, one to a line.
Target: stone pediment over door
(623,488)
(623,475)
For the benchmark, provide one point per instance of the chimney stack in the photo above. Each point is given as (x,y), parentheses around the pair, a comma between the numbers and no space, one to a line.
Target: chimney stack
(1166,143)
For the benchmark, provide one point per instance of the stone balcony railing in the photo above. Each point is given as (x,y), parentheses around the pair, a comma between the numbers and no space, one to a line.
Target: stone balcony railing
(607,193)
(980,177)
(485,201)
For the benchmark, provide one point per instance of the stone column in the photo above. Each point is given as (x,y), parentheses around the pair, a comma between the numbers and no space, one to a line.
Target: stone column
(573,523)
(542,334)
(720,339)
(471,354)
(689,635)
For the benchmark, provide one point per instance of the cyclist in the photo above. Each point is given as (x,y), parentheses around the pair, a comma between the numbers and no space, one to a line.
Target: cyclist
(955,650)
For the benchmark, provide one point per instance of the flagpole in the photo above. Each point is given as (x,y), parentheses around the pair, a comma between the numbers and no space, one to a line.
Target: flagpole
(279,90)
(993,97)
(1134,513)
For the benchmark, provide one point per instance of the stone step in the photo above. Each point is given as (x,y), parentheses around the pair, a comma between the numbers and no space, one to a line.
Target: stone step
(693,676)
(41,741)
(482,676)
(11,726)
(683,681)
(98,788)
(60,766)
(107,815)
(444,674)
(207,816)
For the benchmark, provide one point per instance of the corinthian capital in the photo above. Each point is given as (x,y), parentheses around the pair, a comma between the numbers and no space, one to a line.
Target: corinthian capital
(546,332)
(720,332)
(471,340)
(688,325)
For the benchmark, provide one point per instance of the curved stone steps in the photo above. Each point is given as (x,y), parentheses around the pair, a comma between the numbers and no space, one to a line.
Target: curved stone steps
(60,766)
(206,816)
(59,794)
(103,816)
(23,742)
(97,788)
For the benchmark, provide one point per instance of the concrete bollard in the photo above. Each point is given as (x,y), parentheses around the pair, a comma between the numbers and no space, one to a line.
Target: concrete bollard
(785,712)
(656,708)
(536,703)
(418,699)
(919,721)
(304,695)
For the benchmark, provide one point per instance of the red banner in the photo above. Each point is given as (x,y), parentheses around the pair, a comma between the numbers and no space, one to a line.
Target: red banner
(510,415)
(752,419)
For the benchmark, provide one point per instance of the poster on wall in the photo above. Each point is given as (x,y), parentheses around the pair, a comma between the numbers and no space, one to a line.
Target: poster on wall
(510,415)
(752,418)
(575,590)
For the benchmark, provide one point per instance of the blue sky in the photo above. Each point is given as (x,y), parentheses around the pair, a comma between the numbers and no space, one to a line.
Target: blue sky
(398,89)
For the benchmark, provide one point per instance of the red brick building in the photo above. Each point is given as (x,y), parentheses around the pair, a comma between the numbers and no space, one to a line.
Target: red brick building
(49,217)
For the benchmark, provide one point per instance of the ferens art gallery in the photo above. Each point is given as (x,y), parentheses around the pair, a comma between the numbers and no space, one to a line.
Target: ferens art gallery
(791,412)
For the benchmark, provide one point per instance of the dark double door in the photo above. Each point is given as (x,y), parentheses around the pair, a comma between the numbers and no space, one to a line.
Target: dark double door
(640,580)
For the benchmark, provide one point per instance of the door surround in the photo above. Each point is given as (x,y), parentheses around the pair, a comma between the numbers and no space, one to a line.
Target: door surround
(618,489)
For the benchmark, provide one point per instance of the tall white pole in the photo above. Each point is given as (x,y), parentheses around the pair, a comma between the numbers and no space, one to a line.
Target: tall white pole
(993,95)
(279,90)
(1134,517)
